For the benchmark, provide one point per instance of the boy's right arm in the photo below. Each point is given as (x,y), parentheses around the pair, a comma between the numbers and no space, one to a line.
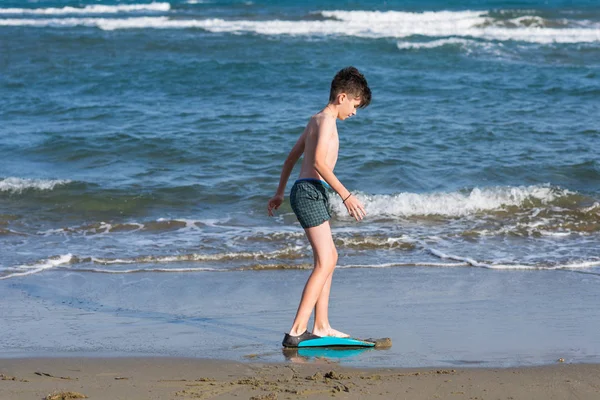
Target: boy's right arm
(288,166)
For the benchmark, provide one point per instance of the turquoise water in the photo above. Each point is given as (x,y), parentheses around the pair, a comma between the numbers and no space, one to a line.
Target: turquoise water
(142,140)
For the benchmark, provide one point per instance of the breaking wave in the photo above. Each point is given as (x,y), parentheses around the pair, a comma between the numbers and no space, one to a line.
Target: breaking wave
(19,185)
(456,204)
(90,9)
(287,253)
(488,265)
(363,24)
(40,266)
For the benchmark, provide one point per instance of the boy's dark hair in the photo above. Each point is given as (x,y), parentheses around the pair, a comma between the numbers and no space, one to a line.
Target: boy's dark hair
(351,82)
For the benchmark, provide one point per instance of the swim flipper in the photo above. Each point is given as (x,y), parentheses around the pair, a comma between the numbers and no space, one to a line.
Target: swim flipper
(294,341)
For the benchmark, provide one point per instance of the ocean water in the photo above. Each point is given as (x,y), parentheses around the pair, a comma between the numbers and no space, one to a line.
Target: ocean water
(140,142)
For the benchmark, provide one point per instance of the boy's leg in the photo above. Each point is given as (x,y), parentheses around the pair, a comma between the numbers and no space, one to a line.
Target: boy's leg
(322,326)
(325,258)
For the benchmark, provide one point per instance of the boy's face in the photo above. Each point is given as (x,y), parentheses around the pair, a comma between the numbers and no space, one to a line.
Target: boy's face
(348,106)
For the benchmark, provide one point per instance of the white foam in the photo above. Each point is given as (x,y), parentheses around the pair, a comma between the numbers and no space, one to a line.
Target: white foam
(593,207)
(204,269)
(104,228)
(57,231)
(435,43)
(18,185)
(469,46)
(137,270)
(555,234)
(259,255)
(90,9)
(474,24)
(364,24)
(376,241)
(39,267)
(475,263)
(530,21)
(453,204)
(582,265)
(453,19)
(190,224)
(415,264)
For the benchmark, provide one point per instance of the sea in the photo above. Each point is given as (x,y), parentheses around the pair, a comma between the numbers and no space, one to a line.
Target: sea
(141,140)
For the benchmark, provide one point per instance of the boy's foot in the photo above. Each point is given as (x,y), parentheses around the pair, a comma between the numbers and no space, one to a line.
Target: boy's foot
(330,332)
(293,341)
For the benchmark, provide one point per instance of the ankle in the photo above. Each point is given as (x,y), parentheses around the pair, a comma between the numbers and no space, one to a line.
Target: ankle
(296,331)
(321,327)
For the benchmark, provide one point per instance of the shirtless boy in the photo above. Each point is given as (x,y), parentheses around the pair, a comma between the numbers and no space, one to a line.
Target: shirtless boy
(319,143)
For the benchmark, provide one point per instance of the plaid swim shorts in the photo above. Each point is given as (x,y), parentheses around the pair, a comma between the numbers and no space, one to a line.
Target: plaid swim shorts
(309,202)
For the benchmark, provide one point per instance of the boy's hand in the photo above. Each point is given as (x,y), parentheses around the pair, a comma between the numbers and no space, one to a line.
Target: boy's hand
(355,208)
(274,203)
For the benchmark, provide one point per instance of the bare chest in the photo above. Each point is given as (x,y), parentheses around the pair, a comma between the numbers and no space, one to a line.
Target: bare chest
(332,152)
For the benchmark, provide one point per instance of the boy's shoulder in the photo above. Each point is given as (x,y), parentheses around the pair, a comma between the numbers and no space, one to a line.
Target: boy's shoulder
(319,122)
(322,118)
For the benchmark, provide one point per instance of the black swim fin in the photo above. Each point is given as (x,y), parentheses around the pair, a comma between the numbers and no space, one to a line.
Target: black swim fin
(293,341)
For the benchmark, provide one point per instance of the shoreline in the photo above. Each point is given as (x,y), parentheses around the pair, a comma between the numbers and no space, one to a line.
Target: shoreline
(190,378)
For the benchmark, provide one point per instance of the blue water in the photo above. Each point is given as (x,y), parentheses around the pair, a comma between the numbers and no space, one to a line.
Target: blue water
(140,142)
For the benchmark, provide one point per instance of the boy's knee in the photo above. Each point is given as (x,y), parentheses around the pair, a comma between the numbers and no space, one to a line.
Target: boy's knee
(327,260)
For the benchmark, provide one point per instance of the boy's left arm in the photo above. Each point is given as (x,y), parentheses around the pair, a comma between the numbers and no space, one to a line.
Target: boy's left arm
(288,166)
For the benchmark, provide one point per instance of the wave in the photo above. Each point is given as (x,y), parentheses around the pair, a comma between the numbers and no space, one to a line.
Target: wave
(472,262)
(403,45)
(521,210)
(100,228)
(68,263)
(43,265)
(371,242)
(287,253)
(264,267)
(455,204)
(71,263)
(146,270)
(364,24)
(19,185)
(473,24)
(90,9)
(362,28)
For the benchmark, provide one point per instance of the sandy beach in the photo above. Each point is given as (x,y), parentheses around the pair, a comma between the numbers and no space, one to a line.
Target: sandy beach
(172,378)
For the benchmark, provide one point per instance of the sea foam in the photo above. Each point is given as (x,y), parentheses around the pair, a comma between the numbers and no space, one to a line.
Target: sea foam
(18,185)
(574,266)
(364,24)
(90,9)
(435,43)
(40,266)
(453,204)
(361,24)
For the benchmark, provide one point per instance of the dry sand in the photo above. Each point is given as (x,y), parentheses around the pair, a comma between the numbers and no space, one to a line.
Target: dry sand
(168,378)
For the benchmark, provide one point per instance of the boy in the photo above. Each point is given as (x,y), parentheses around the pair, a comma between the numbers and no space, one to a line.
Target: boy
(319,144)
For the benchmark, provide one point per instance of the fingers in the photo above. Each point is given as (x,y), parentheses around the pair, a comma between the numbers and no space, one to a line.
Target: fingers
(356,209)
(358,214)
(270,209)
(272,205)
(362,209)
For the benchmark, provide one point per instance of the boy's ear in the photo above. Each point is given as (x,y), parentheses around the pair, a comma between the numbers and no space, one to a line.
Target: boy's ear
(341,97)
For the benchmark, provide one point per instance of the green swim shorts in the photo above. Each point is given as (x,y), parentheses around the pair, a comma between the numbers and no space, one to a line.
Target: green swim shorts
(309,202)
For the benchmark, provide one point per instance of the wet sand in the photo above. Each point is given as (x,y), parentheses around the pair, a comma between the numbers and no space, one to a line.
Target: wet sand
(172,378)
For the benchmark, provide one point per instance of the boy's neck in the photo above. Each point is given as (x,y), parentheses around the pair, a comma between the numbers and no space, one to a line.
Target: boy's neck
(331,110)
